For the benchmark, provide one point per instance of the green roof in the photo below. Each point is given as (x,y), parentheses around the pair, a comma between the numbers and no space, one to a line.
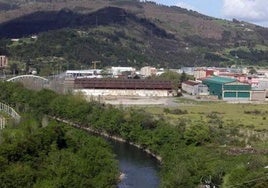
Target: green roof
(220,80)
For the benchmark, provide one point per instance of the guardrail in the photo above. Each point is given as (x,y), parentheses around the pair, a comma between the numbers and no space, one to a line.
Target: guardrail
(10,111)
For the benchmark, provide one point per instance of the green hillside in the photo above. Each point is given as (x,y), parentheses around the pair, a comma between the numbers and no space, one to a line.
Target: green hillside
(72,33)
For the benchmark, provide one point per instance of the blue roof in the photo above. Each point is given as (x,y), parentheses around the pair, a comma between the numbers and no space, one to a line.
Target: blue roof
(218,79)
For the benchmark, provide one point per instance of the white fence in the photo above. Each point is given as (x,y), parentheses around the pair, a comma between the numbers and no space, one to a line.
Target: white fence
(11,112)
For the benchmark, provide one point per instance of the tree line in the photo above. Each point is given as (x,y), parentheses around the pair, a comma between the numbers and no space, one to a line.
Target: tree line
(42,153)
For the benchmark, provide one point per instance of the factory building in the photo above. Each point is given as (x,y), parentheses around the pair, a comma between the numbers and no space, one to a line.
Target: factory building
(122,87)
(236,91)
(228,88)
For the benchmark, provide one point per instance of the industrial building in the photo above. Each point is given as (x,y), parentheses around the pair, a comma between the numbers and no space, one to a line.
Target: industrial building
(228,88)
(236,91)
(91,73)
(120,87)
(194,88)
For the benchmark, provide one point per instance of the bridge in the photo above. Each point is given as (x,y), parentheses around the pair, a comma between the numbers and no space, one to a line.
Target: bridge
(31,81)
(37,82)
(10,112)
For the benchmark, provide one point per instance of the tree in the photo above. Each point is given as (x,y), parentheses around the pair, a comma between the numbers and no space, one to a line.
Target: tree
(14,68)
(252,71)
(183,77)
(172,76)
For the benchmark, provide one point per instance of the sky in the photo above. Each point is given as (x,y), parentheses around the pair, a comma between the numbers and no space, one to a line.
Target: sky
(253,11)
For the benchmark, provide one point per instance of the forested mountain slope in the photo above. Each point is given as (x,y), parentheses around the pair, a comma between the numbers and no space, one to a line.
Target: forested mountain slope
(124,32)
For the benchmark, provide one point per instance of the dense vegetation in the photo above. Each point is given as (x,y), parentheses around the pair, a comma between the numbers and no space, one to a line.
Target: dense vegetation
(191,153)
(45,154)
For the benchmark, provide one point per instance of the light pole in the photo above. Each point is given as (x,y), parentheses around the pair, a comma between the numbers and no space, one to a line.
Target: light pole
(95,64)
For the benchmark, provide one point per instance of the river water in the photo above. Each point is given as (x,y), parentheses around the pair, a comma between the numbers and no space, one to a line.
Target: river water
(140,169)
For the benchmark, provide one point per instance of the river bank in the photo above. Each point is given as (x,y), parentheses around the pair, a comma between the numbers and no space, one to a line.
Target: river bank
(116,138)
(136,169)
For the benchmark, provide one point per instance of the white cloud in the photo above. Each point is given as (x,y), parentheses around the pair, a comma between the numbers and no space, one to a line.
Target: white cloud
(250,10)
(174,3)
(185,5)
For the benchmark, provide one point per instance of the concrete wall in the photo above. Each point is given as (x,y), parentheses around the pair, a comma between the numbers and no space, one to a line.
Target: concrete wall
(258,95)
(198,89)
(201,89)
(235,99)
(263,84)
(122,92)
(188,88)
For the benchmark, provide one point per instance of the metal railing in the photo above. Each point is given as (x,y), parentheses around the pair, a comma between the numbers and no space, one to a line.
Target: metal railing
(10,111)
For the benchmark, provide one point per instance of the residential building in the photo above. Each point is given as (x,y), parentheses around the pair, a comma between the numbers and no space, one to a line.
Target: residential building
(3,61)
(148,71)
(202,73)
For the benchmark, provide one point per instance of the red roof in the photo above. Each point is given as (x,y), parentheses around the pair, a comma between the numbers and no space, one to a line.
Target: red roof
(191,82)
(96,83)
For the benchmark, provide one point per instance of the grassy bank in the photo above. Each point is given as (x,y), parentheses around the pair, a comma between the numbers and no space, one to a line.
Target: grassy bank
(242,115)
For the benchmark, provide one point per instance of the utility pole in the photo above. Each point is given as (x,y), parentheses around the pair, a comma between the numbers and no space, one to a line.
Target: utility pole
(95,64)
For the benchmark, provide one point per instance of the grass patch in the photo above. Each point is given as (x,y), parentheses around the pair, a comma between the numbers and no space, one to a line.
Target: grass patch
(232,115)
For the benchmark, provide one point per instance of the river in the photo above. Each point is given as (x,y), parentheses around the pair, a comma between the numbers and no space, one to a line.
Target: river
(139,168)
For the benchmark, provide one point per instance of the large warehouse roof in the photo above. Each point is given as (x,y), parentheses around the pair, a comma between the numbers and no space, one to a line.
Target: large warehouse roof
(220,80)
(90,83)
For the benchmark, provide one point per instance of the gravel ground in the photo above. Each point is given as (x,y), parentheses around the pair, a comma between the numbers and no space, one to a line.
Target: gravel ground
(159,101)
(128,101)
